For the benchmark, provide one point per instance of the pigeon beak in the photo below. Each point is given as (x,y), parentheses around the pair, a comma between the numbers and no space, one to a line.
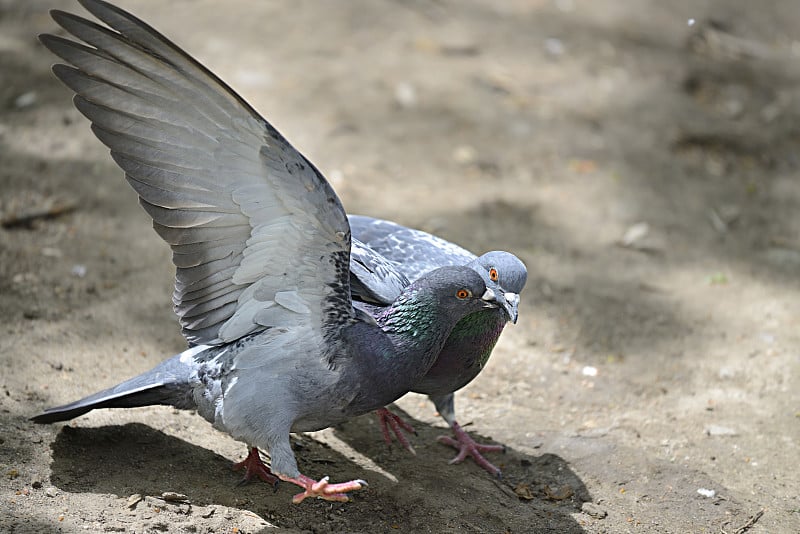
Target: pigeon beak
(490,299)
(511,303)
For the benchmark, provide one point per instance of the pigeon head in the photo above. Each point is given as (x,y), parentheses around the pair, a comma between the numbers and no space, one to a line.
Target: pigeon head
(459,290)
(505,274)
(422,317)
(452,291)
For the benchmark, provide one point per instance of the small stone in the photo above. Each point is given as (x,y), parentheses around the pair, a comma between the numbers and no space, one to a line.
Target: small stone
(635,233)
(171,496)
(51,491)
(133,500)
(25,100)
(523,491)
(405,94)
(554,47)
(726,373)
(464,154)
(24,278)
(558,494)
(78,270)
(717,430)
(706,492)
(51,252)
(593,510)
(36,484)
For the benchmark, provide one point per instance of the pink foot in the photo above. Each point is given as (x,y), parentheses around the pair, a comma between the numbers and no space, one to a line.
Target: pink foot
(254,467)
(323,489)
(467,446)
(394,422)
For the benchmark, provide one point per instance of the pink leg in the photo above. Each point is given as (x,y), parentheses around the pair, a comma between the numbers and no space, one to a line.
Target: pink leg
(394,422)
(254,467)
(467,446)
(322,489)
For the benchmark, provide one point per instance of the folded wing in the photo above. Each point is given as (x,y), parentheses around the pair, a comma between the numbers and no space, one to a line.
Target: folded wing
(412,253)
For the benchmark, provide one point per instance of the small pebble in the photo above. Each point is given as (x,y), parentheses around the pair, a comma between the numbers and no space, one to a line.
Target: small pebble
(589,371)
(405,94)
(706,492)
(554,46)
(725,373)
(717,430)
(25,100)
(464,154)
(635,233)
(171,496)
(52,252)
(133,500)
(51,491)
(524,491)
(78,270)
(593,510)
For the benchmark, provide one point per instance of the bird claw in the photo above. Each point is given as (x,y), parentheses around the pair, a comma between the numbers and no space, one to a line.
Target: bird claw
(388,421)
(254,467)
(467,446)
(322,489)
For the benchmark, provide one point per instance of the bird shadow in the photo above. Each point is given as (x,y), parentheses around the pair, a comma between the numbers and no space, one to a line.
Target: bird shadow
(135,458)
(536,493)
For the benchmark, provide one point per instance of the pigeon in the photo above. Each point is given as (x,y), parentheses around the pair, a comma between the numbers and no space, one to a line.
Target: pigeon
(261,245)
(410,253)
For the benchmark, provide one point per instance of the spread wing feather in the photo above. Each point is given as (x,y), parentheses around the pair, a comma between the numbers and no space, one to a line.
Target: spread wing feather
(259,237)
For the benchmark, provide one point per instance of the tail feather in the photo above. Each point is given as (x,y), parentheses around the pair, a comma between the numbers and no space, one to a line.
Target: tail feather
(165,384)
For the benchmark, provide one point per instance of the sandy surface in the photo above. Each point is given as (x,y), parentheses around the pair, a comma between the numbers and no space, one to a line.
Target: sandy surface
(553,129)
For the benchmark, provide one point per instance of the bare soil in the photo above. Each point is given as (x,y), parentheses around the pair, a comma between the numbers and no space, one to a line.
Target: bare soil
(645,169)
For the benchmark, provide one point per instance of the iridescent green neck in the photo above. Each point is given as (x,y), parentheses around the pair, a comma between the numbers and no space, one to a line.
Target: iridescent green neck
(478,331)
(413,315)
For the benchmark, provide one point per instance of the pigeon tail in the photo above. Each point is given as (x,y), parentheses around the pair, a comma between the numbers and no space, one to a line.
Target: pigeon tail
(166,384)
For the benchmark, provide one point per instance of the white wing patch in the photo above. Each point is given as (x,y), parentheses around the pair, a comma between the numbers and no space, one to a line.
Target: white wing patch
(188,355)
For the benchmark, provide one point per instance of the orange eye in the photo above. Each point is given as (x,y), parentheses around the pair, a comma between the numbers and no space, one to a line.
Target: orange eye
(463,293)
(493,274)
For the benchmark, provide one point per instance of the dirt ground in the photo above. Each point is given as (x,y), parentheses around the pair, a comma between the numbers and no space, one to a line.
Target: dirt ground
(645,169)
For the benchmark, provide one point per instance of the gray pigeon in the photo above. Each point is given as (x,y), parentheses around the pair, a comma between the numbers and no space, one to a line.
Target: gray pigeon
(409,253)
(262,247)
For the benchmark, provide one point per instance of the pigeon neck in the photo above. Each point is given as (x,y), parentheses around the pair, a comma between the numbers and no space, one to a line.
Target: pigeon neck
(415,323)
(477,333)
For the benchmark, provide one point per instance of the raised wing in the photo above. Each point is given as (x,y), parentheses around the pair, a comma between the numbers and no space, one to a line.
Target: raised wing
(412,252)
(259,238)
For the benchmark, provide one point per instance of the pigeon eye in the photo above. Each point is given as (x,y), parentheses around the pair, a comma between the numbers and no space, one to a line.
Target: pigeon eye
(493,274)
(463,293)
